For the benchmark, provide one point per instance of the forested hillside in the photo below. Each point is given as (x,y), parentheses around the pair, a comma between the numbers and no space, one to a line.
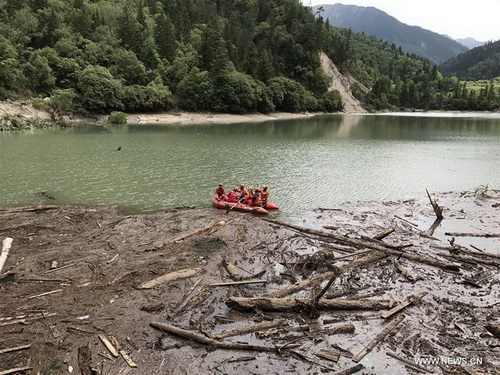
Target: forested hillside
(138,55)
(482,62)
(399,80)
(231,56)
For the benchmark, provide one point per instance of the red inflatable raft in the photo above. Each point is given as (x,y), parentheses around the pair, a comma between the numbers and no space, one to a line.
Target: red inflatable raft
(241,207)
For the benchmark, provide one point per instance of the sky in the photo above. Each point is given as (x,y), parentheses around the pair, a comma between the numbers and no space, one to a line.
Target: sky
(478,19)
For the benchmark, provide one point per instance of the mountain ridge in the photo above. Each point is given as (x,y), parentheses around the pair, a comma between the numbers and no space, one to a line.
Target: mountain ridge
(412,39)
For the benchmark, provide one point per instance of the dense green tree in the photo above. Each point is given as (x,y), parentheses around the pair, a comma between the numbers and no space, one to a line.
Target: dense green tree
(99,90)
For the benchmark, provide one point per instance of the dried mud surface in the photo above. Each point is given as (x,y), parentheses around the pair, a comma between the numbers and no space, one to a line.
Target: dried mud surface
(103,257)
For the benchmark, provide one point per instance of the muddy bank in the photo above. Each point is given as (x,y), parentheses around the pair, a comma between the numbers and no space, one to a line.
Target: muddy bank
(74,274)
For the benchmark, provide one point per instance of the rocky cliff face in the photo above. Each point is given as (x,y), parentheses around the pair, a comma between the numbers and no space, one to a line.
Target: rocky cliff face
(343,84)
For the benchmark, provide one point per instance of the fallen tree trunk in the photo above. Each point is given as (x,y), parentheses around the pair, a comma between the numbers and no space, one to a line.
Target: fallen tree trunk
(326,275)
(462,234)
(401,306)
(437,209)
(494,329)
(388,329)
(465,258)
(6,245)
(383,234)
(231,270)
(173,276)
(351,370)
(368,244)
(291,304)
(250,329)
(189,335)
(14,370)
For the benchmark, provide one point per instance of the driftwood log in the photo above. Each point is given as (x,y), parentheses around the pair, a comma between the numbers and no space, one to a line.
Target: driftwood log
(231,270)
(371,245)
(494,329)
(189,335)
(388,329)
(169,277)
(403,305)
(250,329)
(15,370)
(291,304)
(437,209)
(6,245)
(351,370)
(469,259)
(326,275)
(460,234)
(383,234)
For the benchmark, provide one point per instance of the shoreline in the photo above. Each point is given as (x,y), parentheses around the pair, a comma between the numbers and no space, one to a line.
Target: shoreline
(26,110)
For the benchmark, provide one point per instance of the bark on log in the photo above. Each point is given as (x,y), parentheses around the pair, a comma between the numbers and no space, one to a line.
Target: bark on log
(291,304)
(403,305)
(384,233)
(464,234)
(343,328)
(388,329)
(6,245)
(244,282)
(363,243)
(15,349)
(326,275)
(494,329)
(231,270)
(250,329)
(189,335)
(403,271)
(351,370)
(437,209)
(331,355)
(465,258)
(109,345)
(172,276)
(14,370)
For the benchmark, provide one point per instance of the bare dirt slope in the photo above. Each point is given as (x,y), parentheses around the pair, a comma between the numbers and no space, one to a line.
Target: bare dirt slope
(58,312)
(341,83)
(21,108)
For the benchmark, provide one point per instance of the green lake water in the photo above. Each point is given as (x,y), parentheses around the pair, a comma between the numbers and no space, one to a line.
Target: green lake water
(317,162)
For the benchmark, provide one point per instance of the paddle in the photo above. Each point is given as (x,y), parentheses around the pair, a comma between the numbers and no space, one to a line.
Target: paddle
(227,211)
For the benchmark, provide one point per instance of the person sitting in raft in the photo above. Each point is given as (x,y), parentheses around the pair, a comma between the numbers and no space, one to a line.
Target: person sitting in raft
(245,195)
(220,193)
(256,201)
(233,195)
(264,195)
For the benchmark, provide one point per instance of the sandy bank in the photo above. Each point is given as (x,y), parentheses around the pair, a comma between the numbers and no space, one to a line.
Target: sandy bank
(175,117)
(219,118)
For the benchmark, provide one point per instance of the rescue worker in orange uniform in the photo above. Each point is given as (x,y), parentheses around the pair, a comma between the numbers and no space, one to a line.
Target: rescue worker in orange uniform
(220,193)
(245,195)
(233,195)
(264,195)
